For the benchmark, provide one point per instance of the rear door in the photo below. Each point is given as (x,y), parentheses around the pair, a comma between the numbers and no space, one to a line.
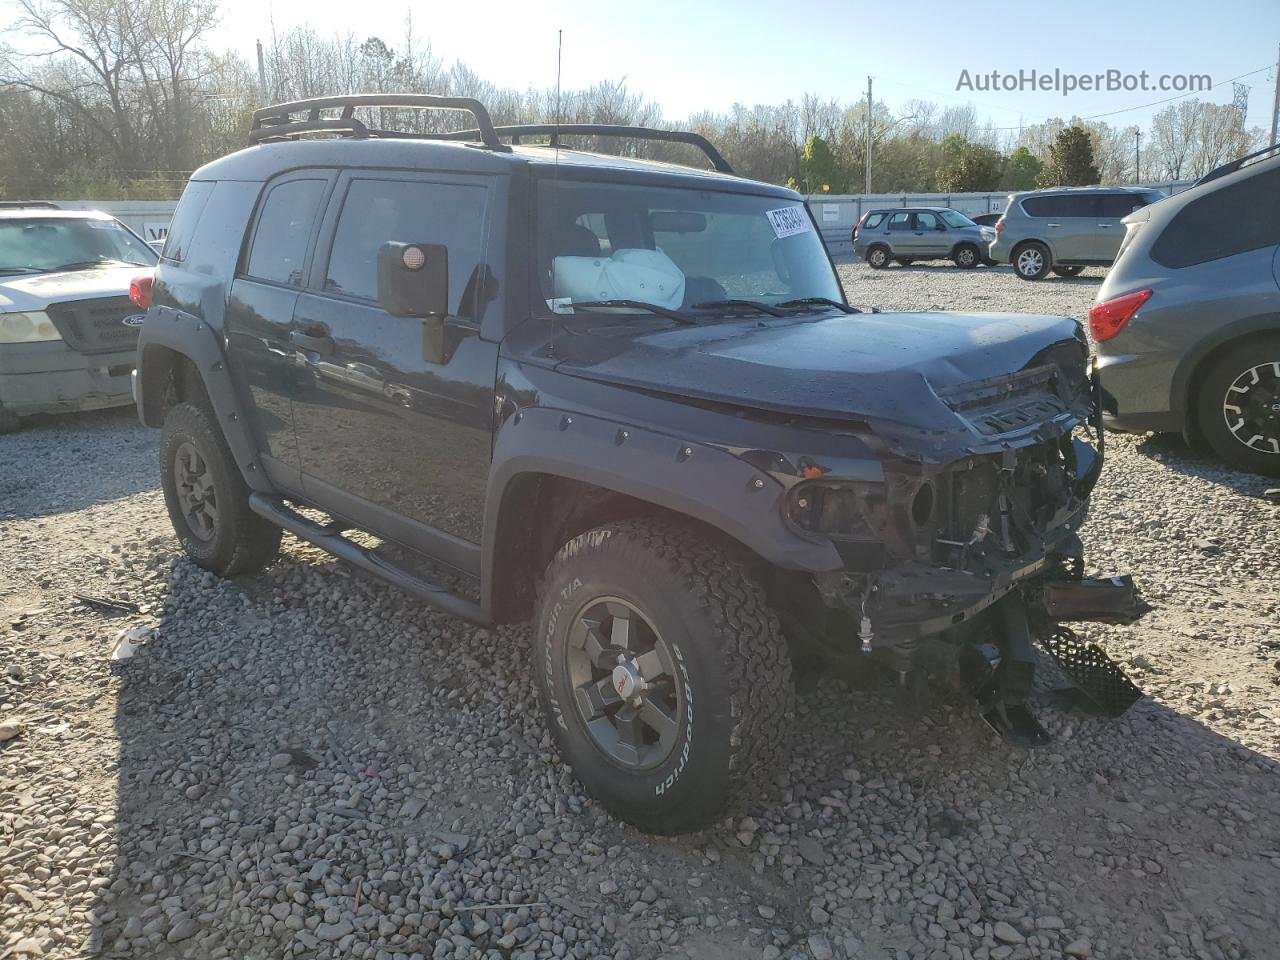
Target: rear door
(1068,222)
(900,230)
(388,438)
(260,308)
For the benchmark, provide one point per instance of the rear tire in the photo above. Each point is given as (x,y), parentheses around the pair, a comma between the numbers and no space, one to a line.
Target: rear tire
(1031,261)
(1238,405)
(207,498)
(966,256)
(724,654)
(878,257)
(1068,271)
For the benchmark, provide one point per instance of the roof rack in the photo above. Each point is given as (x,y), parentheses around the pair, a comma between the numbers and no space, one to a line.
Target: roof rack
(277,122)
(28,205)
(1235,165)
(554,131)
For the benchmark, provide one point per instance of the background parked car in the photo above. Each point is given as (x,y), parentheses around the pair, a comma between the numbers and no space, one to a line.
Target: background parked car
(986,219)
(1188,320)
(920,233)
(66,340)
(1065,229)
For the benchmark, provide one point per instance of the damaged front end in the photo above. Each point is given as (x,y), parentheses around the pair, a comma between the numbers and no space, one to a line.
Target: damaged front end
(968,550)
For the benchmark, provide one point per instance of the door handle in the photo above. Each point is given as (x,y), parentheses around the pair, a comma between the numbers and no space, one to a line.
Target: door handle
(1105,226)
(1053,224)
(317,340)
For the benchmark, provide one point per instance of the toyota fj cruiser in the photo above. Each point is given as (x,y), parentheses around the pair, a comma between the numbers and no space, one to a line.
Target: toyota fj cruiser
(627,400)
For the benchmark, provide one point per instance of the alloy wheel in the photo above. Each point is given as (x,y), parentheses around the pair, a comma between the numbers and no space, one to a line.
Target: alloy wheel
(623,676)
(197,498)
(1251,408)
(1030,262)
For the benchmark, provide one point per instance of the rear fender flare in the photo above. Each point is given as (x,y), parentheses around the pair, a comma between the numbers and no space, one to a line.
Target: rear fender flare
(199,343)
(699,481)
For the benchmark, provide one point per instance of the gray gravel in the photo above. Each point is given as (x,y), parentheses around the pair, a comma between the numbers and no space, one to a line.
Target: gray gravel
(307,763)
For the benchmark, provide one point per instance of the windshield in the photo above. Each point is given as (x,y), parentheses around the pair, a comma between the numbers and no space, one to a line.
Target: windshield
(676,248)
(956,219)
(48,244)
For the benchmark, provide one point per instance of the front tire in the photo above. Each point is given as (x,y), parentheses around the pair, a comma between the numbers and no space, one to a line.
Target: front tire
(663,674)
(1031,261)
(207,498)
(878,257)
(966,256)
(1238,406)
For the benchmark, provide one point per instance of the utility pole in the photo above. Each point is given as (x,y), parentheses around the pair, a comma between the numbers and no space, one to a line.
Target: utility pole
(262,78)
(1275,106)
(867,190)
(1137,156)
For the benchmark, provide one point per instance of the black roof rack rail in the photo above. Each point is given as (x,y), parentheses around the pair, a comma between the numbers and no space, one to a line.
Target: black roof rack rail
(277,123)
(1235,165)
(28,205)
(557,130)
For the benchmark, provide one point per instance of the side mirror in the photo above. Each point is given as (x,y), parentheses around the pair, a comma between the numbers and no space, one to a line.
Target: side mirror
(413,279)
(941,226)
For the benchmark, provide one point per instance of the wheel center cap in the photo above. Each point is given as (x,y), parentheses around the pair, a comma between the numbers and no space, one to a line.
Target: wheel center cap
(627,680)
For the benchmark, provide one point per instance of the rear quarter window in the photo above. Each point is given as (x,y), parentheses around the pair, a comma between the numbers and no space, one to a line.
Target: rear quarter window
(283,231)
(1229,221)
(873,220)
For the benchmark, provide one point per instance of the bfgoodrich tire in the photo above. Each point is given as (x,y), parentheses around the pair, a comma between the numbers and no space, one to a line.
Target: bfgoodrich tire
(663,674)
(1238,406)
(207,498)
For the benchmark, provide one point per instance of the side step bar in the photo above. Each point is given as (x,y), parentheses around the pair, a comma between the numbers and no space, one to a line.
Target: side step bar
(331,540)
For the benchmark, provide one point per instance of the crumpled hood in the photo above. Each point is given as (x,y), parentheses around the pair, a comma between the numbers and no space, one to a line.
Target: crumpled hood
(894,367)
(37,290)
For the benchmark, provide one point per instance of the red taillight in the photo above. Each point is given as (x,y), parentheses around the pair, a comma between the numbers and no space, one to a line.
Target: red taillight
(1000,225)
(858,226)
(1108,318)
(140,290)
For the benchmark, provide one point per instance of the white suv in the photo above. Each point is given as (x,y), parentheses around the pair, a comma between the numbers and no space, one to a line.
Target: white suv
(67,326)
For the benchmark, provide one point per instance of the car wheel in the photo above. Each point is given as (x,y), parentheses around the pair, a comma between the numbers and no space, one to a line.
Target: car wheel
(1238,406)
(663,674)
(878,257)
(1031,261)
(9,421)
(207,498)
(966,256)
(1068,271)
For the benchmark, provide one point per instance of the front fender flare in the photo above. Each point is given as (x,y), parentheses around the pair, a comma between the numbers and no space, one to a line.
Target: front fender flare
(700,481)
(199,343)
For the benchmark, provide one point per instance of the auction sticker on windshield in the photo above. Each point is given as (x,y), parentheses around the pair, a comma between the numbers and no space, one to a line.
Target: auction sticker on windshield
(787,221)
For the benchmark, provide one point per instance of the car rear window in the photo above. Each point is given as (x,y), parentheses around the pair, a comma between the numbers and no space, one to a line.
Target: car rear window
(183,226)
(1229,221)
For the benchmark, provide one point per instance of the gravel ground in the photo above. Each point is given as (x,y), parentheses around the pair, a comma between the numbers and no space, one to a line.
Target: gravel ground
(307,763)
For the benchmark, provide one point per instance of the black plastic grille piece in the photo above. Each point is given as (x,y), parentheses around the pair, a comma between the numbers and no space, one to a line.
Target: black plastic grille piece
(1102,686)
(95,326)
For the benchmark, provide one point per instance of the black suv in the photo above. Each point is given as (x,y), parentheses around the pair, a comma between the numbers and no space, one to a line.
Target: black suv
(626,400)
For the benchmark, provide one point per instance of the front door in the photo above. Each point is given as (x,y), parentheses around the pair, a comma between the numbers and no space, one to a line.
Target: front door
(260,314)
(929,235)
(388,437)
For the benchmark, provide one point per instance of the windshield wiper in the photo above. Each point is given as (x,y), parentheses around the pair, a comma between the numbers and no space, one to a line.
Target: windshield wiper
(819,302)
(638,305)
(747,304)
(100,262)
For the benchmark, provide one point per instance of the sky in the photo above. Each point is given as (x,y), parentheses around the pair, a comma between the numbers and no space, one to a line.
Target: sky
(709,54)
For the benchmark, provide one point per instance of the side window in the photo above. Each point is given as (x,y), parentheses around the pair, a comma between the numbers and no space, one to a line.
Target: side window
(1041,206)
(873,220)
(284,226)
(408,211)
(1236,219)
(183,225)
(1118,205)
(1080,205)
(926,221)
(900,221)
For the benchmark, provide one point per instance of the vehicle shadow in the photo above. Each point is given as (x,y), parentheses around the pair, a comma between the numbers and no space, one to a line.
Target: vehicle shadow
(41,464)
(1172,451)
(308,763)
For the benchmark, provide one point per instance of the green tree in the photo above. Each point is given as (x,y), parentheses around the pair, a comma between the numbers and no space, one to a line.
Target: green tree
(819,167)
(1071,162)
(1021,170)
(967,166)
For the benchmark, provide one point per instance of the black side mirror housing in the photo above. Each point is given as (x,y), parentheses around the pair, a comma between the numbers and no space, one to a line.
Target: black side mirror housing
(941,226)
(413,279)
